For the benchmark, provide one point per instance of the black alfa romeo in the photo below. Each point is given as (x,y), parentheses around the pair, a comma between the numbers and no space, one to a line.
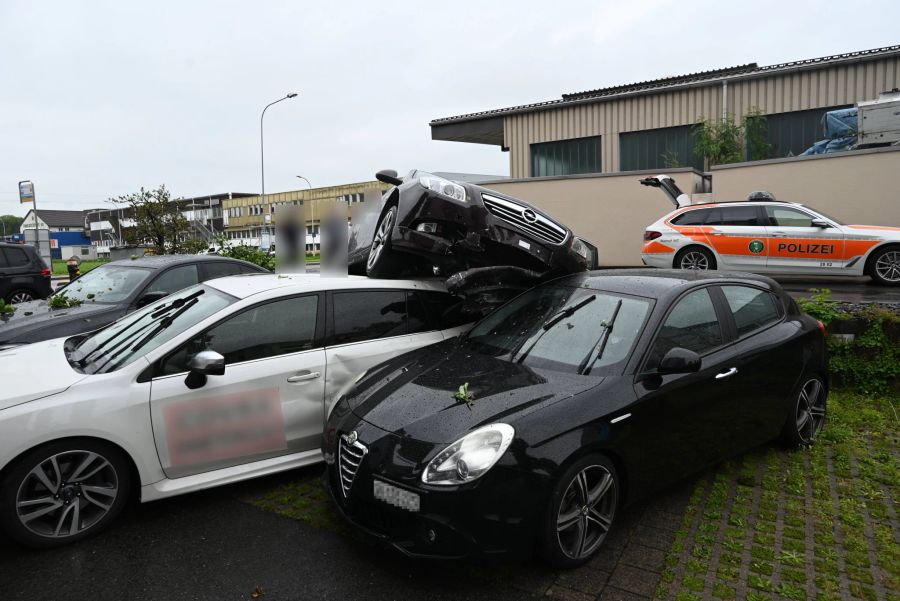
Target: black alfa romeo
(581,395)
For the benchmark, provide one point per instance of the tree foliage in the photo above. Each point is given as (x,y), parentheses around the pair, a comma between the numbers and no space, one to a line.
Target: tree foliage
(11,224)
(725,140)
(158,219)
(243,252)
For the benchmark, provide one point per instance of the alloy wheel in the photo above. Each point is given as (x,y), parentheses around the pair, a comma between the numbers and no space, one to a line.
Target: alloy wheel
(810,411)
(694,260)
(888,266)
(381,235)
(67,493)
(21,296)
(586,512)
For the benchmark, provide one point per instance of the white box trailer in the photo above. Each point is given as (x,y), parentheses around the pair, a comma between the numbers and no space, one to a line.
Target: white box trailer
(879,120)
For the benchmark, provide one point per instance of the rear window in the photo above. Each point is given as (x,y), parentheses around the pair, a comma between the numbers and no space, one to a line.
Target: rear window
(695,217)
(752,308)
(15,257)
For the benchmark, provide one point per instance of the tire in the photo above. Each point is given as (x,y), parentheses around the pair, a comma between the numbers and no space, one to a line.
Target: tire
(68,511)
(807,413)
(22,295)
(382,261)
(884,266)
(576,523)
(699,257)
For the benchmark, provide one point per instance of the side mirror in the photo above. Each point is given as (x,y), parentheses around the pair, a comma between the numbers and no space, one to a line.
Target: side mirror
(388,176)
(151,297)
(679,361)
(204,363)
(820,223)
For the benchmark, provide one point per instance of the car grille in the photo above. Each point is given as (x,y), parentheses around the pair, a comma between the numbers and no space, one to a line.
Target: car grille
(525,218)
(350,456)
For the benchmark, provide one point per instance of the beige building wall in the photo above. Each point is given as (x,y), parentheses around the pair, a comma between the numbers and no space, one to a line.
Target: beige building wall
(842,84)
(613,210)
(857,187)
(610,211)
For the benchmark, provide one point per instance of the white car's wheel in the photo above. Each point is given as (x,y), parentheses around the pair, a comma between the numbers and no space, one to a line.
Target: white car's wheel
(63,491)
(695,257)
(884,266)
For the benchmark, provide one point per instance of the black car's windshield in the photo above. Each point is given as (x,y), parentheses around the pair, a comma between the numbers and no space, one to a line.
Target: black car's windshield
(144,330)
(106,284)
(563,328)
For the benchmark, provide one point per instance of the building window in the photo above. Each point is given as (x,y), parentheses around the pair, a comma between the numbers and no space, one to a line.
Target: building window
(662,148)
(566,157)
(789,134)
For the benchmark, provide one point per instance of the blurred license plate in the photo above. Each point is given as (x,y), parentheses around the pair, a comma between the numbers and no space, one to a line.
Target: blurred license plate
(396,496)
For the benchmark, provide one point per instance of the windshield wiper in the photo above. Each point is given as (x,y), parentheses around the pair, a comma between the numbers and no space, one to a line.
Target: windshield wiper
(598,348)
(163,324)
(82,361)
(555,319)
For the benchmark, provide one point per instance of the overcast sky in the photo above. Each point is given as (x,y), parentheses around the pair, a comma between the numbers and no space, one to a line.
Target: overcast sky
(100,98)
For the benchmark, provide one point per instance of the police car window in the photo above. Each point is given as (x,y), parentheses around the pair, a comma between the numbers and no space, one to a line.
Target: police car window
(786,217)
(696,217)
(692,324)
(746,216)
(752,308)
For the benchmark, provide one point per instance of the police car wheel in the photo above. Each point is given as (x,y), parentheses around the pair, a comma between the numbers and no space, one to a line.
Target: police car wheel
(695,258)
(884,266)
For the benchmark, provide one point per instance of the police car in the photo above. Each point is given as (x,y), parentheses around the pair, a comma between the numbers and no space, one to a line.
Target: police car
(764,235)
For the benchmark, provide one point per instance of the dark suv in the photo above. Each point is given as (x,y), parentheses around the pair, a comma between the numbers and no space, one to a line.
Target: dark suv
(23,274)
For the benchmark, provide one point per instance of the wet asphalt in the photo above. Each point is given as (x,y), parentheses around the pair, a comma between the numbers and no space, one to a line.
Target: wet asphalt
(211,545)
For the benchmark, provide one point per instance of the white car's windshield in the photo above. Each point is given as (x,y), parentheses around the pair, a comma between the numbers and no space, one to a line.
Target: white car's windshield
(142,331)
(563,328)
(106,284)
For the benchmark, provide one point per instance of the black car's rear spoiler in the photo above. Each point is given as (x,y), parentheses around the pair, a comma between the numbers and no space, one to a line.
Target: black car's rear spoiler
(678,198)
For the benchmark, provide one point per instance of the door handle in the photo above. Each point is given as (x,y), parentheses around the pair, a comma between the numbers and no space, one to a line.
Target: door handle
(304,377)
(780,234)
(726,374)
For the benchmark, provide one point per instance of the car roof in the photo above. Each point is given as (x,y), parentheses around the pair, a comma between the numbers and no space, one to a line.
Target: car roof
(659,283)
(732,203)
(160,261)
(245,285)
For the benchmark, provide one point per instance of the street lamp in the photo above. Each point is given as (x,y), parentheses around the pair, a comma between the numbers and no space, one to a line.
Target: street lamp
(262,159)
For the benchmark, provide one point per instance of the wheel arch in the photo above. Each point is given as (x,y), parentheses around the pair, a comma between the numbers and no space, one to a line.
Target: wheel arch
(132,466)
(867,258)
(598,448)
(692,245)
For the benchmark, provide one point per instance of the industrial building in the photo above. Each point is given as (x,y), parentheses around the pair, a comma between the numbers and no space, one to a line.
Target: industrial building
(648,125)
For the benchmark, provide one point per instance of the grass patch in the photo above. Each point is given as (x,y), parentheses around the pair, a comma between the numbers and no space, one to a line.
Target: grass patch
(59,266)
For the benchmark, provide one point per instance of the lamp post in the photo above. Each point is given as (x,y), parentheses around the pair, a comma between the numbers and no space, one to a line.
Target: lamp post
(262,159)
(312,217)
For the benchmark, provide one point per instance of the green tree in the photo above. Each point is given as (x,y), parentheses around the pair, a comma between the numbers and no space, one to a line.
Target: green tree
(718,141)
(10,224)
(756,129)
(158,219)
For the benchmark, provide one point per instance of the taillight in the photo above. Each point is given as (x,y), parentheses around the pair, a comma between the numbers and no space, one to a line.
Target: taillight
(651,235)
(821,326)
(45,272)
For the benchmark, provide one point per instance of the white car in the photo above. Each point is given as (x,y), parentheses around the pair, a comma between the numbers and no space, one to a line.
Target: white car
(763,235)
(221,382)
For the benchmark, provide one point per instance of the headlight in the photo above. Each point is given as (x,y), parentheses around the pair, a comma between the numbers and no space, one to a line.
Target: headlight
(580,247)
(470,457)
(444,186)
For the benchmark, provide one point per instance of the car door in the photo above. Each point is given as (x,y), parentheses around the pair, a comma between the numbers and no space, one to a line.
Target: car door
(678,419)
(795,245)
(738,234)
(767,369)
(268,403)
(5,275)
(365,328)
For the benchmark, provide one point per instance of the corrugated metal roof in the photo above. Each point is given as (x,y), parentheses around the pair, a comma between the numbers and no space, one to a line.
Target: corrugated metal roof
(690,79)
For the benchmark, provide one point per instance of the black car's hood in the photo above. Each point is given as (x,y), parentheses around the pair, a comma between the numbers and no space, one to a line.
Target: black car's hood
(35,321)
(412,395)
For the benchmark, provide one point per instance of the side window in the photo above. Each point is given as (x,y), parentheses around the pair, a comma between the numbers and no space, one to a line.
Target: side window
(174,279)
(745,216)
(692,324)
(695,217)
(248,269)
(787,217)
(446,310)
(752,308)
(366,315)
(16,257)
(219,269)
(419,319)
(267,330)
